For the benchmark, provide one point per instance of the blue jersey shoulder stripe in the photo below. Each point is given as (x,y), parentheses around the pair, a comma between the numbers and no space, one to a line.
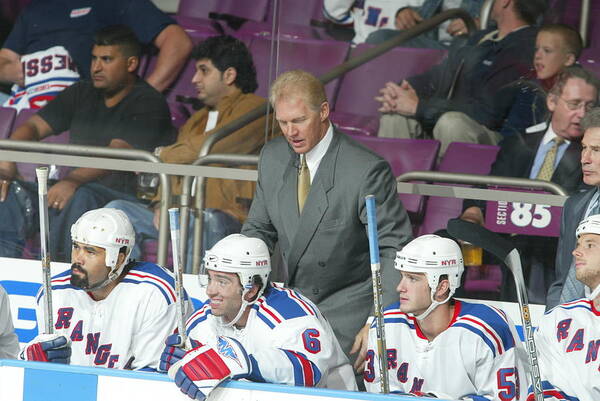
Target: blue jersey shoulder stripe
(493,319)
(198,317)
(147,267)
(479,333)
(281,301)
(395,305)
(262,316)
(63,284)
(159,287)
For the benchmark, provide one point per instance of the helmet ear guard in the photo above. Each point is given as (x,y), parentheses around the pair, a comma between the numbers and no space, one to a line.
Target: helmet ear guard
(109,229)
(435,257)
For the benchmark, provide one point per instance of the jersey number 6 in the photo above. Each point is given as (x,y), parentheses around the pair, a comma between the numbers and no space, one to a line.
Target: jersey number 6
(311,343)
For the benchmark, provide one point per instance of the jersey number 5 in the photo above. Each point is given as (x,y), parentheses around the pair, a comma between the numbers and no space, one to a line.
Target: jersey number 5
(508,385)
(311,343)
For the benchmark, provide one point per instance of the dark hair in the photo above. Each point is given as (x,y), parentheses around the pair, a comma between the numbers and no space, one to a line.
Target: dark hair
(572,38)
(530,10)
(591,119)
(574,71)
(119,35)
(226,51)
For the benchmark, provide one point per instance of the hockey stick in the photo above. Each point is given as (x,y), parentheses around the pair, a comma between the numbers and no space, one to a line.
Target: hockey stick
(178,271)
(377,292)
(42,176)
(505,251)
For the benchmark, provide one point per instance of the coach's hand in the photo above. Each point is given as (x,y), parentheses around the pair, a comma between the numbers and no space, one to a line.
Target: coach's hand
(360,348)
(48,348)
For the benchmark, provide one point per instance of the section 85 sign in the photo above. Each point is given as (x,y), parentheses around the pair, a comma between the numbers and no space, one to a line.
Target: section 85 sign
(523,218)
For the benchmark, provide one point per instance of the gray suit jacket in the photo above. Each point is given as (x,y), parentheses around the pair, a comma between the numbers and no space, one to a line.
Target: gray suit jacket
(326,248)
(573,212)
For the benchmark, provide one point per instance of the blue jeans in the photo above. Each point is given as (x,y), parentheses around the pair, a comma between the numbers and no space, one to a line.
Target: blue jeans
(217,225)
(19,217)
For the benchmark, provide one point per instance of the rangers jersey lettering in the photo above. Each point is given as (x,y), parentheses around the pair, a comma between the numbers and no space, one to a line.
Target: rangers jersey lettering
(46,73)
(289,341)
(127,329)
(568,343)
(479,356)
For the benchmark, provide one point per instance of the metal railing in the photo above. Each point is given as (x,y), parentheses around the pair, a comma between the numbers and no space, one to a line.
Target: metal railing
(584,21)
(229,159)
(97,151)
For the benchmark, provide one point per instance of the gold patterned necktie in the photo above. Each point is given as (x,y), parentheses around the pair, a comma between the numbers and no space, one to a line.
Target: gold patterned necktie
(303,183)
(547,168)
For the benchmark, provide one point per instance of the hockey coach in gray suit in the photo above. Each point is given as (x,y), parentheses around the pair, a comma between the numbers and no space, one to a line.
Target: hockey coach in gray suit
(310,197)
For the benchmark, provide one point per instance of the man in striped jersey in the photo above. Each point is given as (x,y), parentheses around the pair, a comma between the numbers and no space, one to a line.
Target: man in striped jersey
(443,347)
(568,337)
(252,329)
(107,311)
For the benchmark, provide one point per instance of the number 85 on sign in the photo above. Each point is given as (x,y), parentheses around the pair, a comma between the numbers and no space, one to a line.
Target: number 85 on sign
(523,218)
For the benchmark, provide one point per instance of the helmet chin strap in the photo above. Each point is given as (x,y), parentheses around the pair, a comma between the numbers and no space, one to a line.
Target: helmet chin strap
(112,276)
(594,293)
(242,308)
(434,304)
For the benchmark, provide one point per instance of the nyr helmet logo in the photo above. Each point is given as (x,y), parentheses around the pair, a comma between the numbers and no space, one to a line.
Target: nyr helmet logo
(449,262)
(263,262)
(226,349)
(122,241)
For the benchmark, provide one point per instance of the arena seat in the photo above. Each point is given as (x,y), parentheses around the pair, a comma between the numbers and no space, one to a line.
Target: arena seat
(361,85)
(296,12)
(255,10)
(300,53)
(460,157)
(405,155)
(27,170)
(7,119)
(354,124)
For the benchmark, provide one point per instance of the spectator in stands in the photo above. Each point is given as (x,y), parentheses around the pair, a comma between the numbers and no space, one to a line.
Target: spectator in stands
(225,80)
(375,21)
(9,343)
(557,46)
(310,199)
(116,109)
(547,151)
(467,96)
(52,40)
(577,208)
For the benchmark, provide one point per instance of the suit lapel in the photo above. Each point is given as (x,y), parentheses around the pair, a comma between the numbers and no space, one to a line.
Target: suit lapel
(315,207)
(532,144)
(566,171)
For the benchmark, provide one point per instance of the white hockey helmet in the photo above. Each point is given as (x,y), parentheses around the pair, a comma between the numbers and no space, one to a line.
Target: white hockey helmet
(434,256)
(590,225)
(245,256)
(109,229)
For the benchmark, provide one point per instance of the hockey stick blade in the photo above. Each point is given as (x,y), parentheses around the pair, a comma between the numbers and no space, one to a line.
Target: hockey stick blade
(481,237)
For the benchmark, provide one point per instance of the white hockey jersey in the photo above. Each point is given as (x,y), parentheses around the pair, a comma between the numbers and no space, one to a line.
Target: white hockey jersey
(366,15)
(479,356)
(127,329)
(45,74)
(288,339)
(568,345)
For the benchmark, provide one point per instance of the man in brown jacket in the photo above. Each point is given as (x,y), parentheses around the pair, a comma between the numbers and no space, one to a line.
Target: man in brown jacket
(225,80)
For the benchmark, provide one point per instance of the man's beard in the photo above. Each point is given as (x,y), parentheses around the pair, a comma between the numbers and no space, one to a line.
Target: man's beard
(79,281)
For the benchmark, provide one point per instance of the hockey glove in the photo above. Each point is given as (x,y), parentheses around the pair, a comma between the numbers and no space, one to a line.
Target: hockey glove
(48,348)
(173,352)
(204,368)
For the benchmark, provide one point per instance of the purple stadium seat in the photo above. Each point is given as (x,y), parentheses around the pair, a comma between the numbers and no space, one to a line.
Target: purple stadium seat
(27,170)
(300,53)
(255,10)
(296,12)
(460,157)
(590,59)
(7,119)
(405,155)
(355,124)
(361,85)
(197,26)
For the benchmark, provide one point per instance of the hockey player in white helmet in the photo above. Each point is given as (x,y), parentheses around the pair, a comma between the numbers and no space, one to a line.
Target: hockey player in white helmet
(108,311)
(440,346)
(568,336)
(252,329)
